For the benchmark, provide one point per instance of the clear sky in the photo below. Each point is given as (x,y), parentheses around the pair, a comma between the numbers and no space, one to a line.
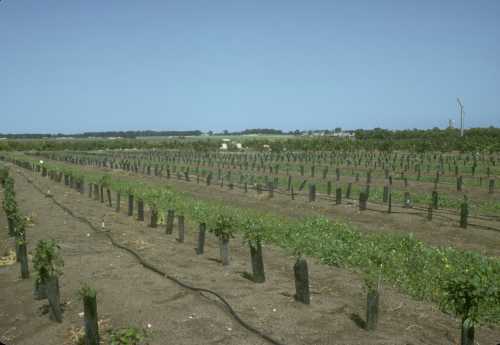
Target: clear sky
(74,66)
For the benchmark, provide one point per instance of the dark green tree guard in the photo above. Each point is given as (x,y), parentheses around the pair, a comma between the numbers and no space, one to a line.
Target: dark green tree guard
(90,190)
(245,187)
(130,205)
(407,200)
(389,203)
(96,192)
(224,251)
(491,186)
(464,214)
(329,188)
(338,196)
(372,302)
(467,330)
(90,318)
(53,296)
(154,218)
(170,222)
(82,186)
(435,199)
(348,192)
(23,259)
(429,212)
(312,192)
(301,281)
(108,194)
(385,195)
(363,198)
(292,194)
(40,290)
(12,227)
(140,210)
(101,193)
(459,183)
(270,189)
(118,201)
(180,228)
(258,274)
(202,228)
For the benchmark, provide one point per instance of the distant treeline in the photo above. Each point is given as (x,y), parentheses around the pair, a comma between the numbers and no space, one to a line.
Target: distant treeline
(136,134)
(108,134)
(476,139)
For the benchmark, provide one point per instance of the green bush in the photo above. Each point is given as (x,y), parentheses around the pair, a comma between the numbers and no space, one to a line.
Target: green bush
(47,260)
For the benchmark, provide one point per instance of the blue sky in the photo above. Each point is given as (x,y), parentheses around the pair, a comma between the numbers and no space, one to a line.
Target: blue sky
(73,66)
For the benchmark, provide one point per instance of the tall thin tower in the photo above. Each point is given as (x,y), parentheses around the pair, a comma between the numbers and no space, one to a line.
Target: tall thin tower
(461,106)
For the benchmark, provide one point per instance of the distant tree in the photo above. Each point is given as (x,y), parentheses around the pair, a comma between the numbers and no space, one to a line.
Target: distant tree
(338,129)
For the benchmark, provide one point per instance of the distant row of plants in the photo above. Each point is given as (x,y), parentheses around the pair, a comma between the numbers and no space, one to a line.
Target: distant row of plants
(462,282)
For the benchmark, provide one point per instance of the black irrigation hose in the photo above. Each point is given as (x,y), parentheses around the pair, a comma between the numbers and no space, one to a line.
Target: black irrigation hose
(151,267)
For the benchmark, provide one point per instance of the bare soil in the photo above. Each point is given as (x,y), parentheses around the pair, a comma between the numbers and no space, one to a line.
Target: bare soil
(130,295)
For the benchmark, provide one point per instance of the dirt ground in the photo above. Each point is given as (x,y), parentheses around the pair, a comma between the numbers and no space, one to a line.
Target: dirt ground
(130,295)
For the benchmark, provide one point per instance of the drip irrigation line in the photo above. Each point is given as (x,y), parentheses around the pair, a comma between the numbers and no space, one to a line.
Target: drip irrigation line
(151,267)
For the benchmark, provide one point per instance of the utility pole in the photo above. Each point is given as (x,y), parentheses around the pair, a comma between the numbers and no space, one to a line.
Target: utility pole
(461,117)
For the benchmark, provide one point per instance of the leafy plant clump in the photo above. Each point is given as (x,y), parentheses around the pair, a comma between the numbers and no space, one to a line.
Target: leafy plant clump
(254,229)
(222,224)
(126,336)
(471,288)
(47,260)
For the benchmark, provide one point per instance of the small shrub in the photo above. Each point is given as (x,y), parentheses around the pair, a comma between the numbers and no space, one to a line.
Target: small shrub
(126,336)
(47,260)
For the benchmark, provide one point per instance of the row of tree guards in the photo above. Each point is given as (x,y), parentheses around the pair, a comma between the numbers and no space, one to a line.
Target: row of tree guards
(301,273)
(263,162)
(159,170)
(186,173)
(271,188)
(363,197)
(47,264)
